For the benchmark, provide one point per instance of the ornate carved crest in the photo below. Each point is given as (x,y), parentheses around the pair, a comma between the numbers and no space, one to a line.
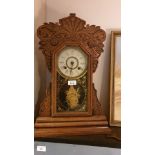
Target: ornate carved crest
(72,29)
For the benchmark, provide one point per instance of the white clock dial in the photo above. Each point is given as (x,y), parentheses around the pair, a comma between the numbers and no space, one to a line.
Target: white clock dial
(72,62)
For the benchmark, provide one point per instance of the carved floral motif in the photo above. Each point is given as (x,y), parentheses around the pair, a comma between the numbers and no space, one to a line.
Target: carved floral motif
(44,110)
(72,29)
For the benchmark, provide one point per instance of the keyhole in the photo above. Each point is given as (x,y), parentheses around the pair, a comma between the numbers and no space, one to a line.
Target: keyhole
(79,68)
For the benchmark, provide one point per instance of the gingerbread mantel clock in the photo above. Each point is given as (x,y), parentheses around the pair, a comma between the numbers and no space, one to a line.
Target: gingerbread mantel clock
(71,107)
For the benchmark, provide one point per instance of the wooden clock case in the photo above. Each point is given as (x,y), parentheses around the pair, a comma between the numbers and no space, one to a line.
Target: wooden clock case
(53,37)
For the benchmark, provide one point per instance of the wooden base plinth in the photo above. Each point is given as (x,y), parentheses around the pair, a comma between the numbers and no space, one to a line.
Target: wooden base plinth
(49,127)
(70,131)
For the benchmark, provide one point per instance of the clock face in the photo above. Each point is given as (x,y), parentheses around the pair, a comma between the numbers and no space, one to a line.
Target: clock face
(72,62)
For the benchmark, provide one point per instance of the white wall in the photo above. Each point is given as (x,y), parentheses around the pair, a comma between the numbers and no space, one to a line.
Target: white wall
(104,13)
(39,62)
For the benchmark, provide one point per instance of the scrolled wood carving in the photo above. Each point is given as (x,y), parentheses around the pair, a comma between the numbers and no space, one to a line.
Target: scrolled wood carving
(72,29)
(45,106)
(97,106)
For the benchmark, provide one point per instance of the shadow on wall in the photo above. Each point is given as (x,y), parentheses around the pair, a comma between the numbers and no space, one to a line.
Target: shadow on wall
(105,85)
(39,68)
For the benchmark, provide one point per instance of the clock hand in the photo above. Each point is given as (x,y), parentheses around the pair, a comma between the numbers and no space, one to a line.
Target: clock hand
(71,68)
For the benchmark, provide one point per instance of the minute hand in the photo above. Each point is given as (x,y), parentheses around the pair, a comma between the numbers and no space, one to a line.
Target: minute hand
(71,70)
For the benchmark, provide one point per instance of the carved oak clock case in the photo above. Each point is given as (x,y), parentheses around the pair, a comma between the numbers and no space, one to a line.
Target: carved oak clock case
(71,107)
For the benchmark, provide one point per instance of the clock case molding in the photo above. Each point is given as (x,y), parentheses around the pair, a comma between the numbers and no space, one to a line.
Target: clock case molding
(53,37)
(54,80)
